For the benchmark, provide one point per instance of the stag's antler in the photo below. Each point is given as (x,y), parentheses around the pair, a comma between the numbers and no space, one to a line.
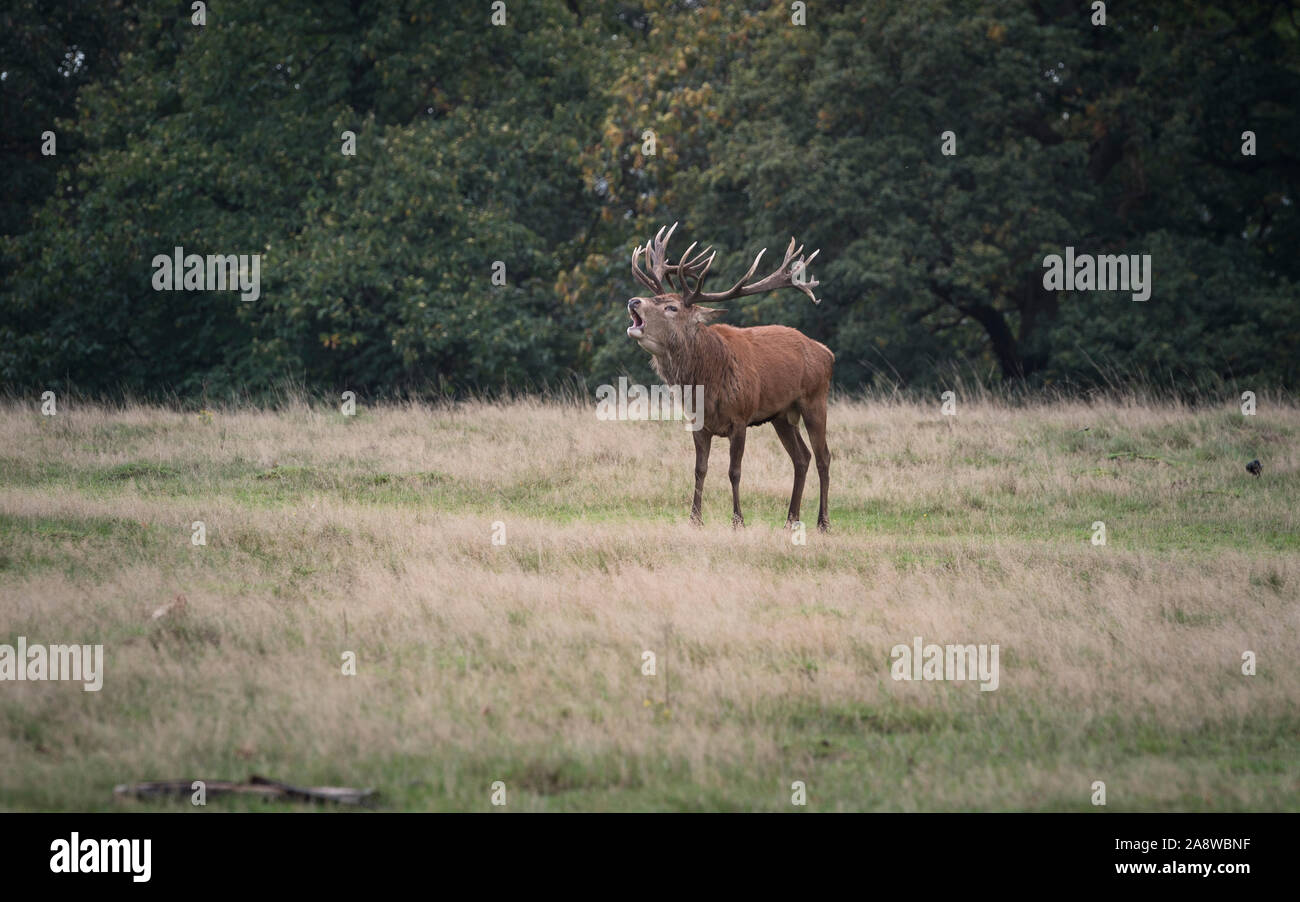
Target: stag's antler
(690,272)
(656,251)
(790,274)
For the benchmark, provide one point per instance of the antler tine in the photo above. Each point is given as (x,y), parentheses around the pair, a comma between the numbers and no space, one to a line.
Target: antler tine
(661,244)
(807,288)
(696,271)
(655,251)
(640,274)
(798,269)
(705,269)
(681,268)
(659,238)
(661,265)
(753,268)
(683,271)
(791,252)
(695,261)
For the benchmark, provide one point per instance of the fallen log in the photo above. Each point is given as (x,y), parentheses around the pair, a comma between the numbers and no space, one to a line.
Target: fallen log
(263,787)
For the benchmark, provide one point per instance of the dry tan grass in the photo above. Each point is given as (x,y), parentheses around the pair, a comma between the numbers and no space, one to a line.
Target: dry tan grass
(522,662)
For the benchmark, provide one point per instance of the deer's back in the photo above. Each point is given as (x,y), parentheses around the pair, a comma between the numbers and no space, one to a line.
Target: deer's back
(777,366)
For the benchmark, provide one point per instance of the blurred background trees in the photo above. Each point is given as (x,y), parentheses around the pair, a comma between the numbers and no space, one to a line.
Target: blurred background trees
(524,146)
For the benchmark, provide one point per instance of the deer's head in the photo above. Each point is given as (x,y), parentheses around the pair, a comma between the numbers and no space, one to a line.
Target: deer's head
(669,318)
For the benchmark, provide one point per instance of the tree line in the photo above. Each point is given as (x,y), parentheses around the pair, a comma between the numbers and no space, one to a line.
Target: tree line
(444,204)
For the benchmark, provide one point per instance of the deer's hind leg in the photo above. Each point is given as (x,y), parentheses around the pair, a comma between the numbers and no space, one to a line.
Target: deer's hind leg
(814,418)
(800,456)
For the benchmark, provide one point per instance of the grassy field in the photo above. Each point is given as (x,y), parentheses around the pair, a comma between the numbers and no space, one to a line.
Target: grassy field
(522,662)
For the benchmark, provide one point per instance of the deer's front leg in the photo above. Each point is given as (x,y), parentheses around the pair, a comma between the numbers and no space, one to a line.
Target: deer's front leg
(703,441)
(737,452)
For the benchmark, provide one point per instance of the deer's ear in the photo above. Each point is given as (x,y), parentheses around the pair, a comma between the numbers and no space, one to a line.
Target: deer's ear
(705,314)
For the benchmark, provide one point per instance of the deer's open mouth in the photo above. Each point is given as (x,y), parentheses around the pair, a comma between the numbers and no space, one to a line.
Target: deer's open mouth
(638,323)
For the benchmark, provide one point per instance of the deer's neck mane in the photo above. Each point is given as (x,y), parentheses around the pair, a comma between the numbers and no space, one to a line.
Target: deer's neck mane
(701,359)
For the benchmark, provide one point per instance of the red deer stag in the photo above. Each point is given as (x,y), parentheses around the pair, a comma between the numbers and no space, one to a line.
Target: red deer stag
(762,374)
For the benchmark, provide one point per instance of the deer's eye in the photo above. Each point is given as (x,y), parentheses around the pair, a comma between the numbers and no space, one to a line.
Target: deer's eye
(671,307)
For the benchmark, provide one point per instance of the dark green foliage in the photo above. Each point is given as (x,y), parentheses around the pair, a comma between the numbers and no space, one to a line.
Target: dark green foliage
(522,144)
